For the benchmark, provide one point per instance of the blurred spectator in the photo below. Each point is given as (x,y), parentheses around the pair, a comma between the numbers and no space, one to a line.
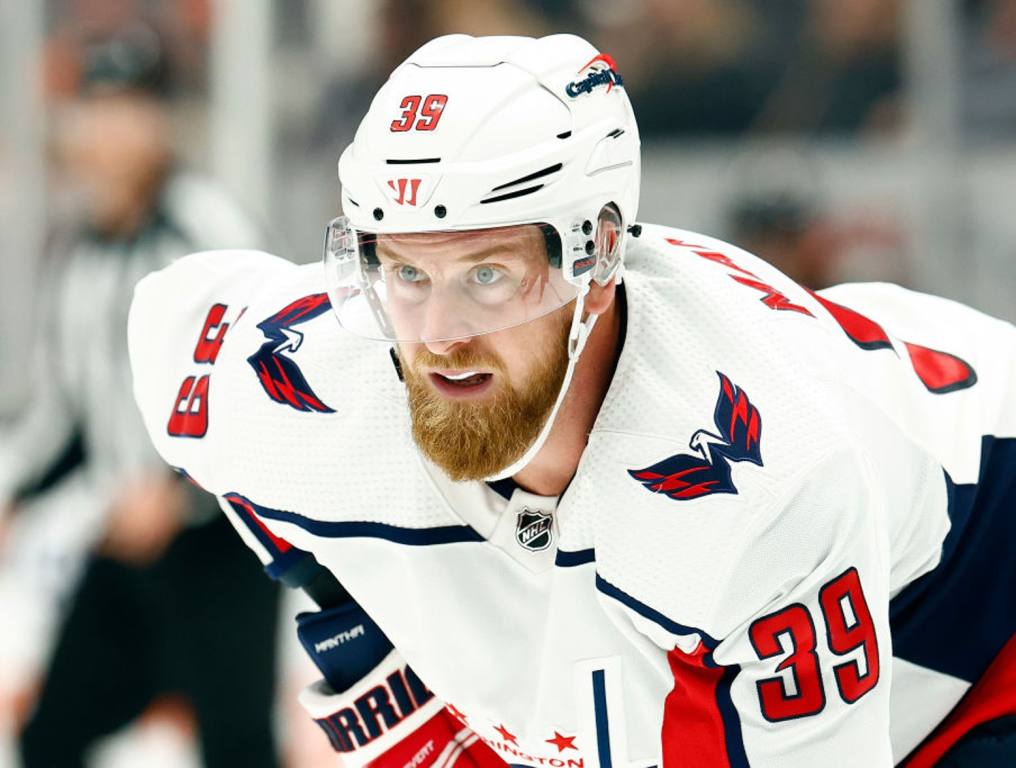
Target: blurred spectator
(785,231)
(989,82)
(170,602)
(691,66)
(727,67)
(184,28)
(778,212)
(842,74)
(775,213)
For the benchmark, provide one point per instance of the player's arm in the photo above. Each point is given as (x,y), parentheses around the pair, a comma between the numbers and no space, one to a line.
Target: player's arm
(374,710)
(800,674)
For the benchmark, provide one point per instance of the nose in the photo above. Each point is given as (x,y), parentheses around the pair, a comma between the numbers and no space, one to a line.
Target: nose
(444,326)
(444,348)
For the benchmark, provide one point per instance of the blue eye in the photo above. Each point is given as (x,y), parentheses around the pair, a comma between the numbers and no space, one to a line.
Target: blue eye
(486,275)
(409,274)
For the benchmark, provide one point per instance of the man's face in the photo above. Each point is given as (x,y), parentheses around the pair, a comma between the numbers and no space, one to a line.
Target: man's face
(477,403)
(113,147)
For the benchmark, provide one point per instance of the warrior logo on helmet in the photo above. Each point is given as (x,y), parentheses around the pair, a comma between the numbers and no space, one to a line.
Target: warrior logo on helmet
(280,376)
(604,72)
(689,476)
(400,186)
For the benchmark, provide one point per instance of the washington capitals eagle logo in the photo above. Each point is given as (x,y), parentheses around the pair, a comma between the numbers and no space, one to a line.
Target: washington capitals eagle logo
(707,470)
(278,373)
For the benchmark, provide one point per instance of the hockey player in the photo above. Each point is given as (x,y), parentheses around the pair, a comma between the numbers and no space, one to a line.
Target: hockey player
(611,494)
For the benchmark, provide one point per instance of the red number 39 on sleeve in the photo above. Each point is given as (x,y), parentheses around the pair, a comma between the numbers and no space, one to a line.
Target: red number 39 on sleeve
(189,417)
(791,632)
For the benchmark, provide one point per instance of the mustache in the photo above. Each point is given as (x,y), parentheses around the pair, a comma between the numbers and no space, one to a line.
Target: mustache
(464,357)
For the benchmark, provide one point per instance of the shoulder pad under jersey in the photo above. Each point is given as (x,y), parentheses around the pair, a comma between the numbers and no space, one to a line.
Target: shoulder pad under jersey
(179,320)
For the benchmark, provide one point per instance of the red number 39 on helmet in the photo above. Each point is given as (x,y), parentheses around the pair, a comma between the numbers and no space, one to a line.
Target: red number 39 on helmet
(433,108)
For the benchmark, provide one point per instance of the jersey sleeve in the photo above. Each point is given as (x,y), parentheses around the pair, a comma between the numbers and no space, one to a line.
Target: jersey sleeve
(179,320)
(801,678)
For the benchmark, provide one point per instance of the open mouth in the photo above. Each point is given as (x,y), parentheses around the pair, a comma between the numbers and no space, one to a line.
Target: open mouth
(461,383)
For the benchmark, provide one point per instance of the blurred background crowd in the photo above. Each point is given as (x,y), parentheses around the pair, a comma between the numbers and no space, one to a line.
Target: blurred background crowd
(842,140)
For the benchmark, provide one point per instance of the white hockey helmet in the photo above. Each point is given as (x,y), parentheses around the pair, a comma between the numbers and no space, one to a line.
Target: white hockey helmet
(483,135)
(492,139)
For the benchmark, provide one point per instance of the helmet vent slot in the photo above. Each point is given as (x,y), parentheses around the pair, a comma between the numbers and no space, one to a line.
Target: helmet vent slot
(413,161)
(536,175)
(510,195)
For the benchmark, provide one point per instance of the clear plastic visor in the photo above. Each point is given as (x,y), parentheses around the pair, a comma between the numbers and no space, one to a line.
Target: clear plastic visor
(446,285)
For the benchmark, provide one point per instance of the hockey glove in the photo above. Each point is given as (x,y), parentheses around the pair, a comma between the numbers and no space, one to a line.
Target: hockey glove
(383,716)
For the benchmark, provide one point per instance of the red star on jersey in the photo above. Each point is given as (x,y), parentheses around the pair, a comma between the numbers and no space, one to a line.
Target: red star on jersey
(562,742)
(455,713)
(506,734)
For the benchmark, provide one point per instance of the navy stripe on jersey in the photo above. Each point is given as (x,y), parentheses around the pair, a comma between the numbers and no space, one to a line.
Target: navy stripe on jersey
(652,614)
(728,713)
(566,559)
(958,617)
(504,487)
(602,720)
(443,534)
(288,563)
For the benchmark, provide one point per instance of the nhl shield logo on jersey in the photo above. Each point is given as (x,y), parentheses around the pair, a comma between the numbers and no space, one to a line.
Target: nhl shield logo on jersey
(278,373)
(534,530)
(683,476)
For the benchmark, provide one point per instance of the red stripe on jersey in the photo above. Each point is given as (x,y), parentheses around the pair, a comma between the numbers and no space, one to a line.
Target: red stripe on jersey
(694,734)
(861,330)
(993,696)
(281,544)
(939,371)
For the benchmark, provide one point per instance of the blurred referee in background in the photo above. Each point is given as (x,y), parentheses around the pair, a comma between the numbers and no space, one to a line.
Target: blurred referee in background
(170,603)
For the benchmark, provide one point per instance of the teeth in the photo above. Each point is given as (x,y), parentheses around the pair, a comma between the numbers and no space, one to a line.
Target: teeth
(460,376)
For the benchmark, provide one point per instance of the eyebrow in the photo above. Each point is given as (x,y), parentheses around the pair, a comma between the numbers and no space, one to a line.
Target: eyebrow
(471,258)
(488,253)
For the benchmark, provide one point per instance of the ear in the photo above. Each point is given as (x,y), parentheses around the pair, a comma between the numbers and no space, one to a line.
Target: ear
(600,297)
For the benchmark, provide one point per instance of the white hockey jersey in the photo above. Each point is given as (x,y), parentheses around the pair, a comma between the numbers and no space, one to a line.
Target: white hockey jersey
(786,544)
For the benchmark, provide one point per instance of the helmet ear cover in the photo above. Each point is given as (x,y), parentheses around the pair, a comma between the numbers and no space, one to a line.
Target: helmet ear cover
(609,231)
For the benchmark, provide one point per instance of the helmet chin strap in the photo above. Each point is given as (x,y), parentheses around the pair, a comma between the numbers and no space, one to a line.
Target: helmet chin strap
(580,330)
